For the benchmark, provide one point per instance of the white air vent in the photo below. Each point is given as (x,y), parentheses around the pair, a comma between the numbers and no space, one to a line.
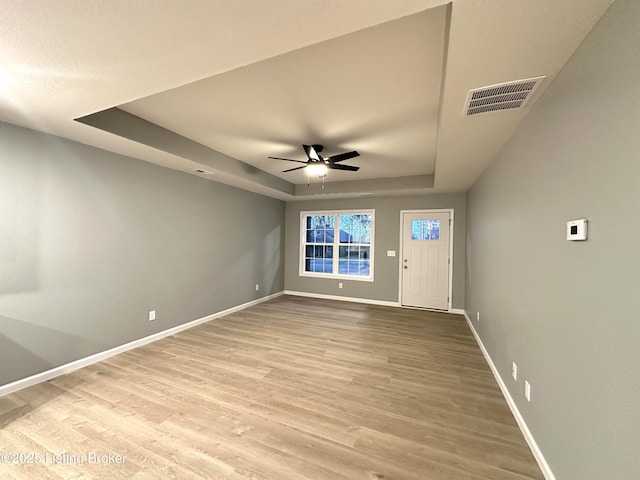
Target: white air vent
(504,96)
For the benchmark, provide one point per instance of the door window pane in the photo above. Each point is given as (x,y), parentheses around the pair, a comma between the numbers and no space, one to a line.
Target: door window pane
(434,233)
(425,229)
(415,229)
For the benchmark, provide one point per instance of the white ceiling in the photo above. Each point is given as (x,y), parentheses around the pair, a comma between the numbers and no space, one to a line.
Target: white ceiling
(250,79)
(376,90)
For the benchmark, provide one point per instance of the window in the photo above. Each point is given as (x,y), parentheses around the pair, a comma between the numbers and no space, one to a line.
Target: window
(337,244)
(425,230)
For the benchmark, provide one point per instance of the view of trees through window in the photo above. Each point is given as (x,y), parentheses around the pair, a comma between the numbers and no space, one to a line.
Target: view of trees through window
(425,230)
(348,234)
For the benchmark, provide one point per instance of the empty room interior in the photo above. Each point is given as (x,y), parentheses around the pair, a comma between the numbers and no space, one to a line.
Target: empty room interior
(358,239)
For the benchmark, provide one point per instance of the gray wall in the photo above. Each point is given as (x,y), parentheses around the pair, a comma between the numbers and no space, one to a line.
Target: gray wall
(567,312)
(91,241)
(387,237)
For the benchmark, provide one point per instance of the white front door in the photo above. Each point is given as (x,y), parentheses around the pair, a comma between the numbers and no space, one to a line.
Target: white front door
(425,259)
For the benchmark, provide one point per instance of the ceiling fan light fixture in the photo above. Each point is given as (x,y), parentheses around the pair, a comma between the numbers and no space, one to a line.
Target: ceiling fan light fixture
(319,169)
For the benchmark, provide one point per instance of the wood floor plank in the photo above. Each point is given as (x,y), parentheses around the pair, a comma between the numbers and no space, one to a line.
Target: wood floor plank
(293,388)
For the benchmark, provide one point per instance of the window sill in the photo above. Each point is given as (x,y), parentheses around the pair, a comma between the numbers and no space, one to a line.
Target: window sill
(336,277)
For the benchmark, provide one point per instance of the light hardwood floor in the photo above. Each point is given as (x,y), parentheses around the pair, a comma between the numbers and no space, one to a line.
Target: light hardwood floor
(294,388)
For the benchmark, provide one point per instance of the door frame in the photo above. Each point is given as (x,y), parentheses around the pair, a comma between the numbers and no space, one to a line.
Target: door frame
(450,293)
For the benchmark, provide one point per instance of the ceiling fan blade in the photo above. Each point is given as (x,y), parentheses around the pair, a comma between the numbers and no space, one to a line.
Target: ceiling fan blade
(342,156)
(350,168)
(287,159)
(294,168)
(311,153)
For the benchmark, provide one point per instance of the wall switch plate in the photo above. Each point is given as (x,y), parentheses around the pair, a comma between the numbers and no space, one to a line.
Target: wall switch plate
(339,284)
(257,287)
(514,371)
(391,253)
(477,316)
(152,315)
(577,229)
(527,391)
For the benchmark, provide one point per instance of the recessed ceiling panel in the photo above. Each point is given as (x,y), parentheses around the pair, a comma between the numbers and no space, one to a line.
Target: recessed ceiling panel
(376,91)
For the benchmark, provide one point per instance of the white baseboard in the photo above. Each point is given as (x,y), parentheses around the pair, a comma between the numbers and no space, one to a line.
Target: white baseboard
(343,299)
(457,311)
(97,357)
(528,436)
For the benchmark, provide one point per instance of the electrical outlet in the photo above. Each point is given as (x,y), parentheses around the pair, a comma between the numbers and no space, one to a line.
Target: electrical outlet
(514,371)
(477,316)
(152,315)
(339,284)
(527,391)
(257,287)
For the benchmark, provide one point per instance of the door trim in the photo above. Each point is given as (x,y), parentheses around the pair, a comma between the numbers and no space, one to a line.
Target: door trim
(428,210)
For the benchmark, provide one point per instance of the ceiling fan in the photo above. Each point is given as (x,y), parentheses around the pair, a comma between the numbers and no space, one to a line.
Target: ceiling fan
(318,165)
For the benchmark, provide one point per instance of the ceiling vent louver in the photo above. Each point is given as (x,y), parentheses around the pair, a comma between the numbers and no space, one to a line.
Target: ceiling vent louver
(504,96)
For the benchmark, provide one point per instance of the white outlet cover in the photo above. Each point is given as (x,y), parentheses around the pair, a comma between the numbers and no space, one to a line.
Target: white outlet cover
(339,284)
(527,391)
(477,316)
(514,371)
(152,315)
(391,253)
(257,287)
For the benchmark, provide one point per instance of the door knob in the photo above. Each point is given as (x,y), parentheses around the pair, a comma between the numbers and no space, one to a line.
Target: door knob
(405,260)
(405,267)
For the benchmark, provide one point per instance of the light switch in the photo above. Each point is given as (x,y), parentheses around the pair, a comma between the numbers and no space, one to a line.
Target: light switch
(577,229)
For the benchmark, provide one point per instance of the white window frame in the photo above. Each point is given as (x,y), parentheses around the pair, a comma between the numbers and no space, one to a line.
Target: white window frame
(336,244)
